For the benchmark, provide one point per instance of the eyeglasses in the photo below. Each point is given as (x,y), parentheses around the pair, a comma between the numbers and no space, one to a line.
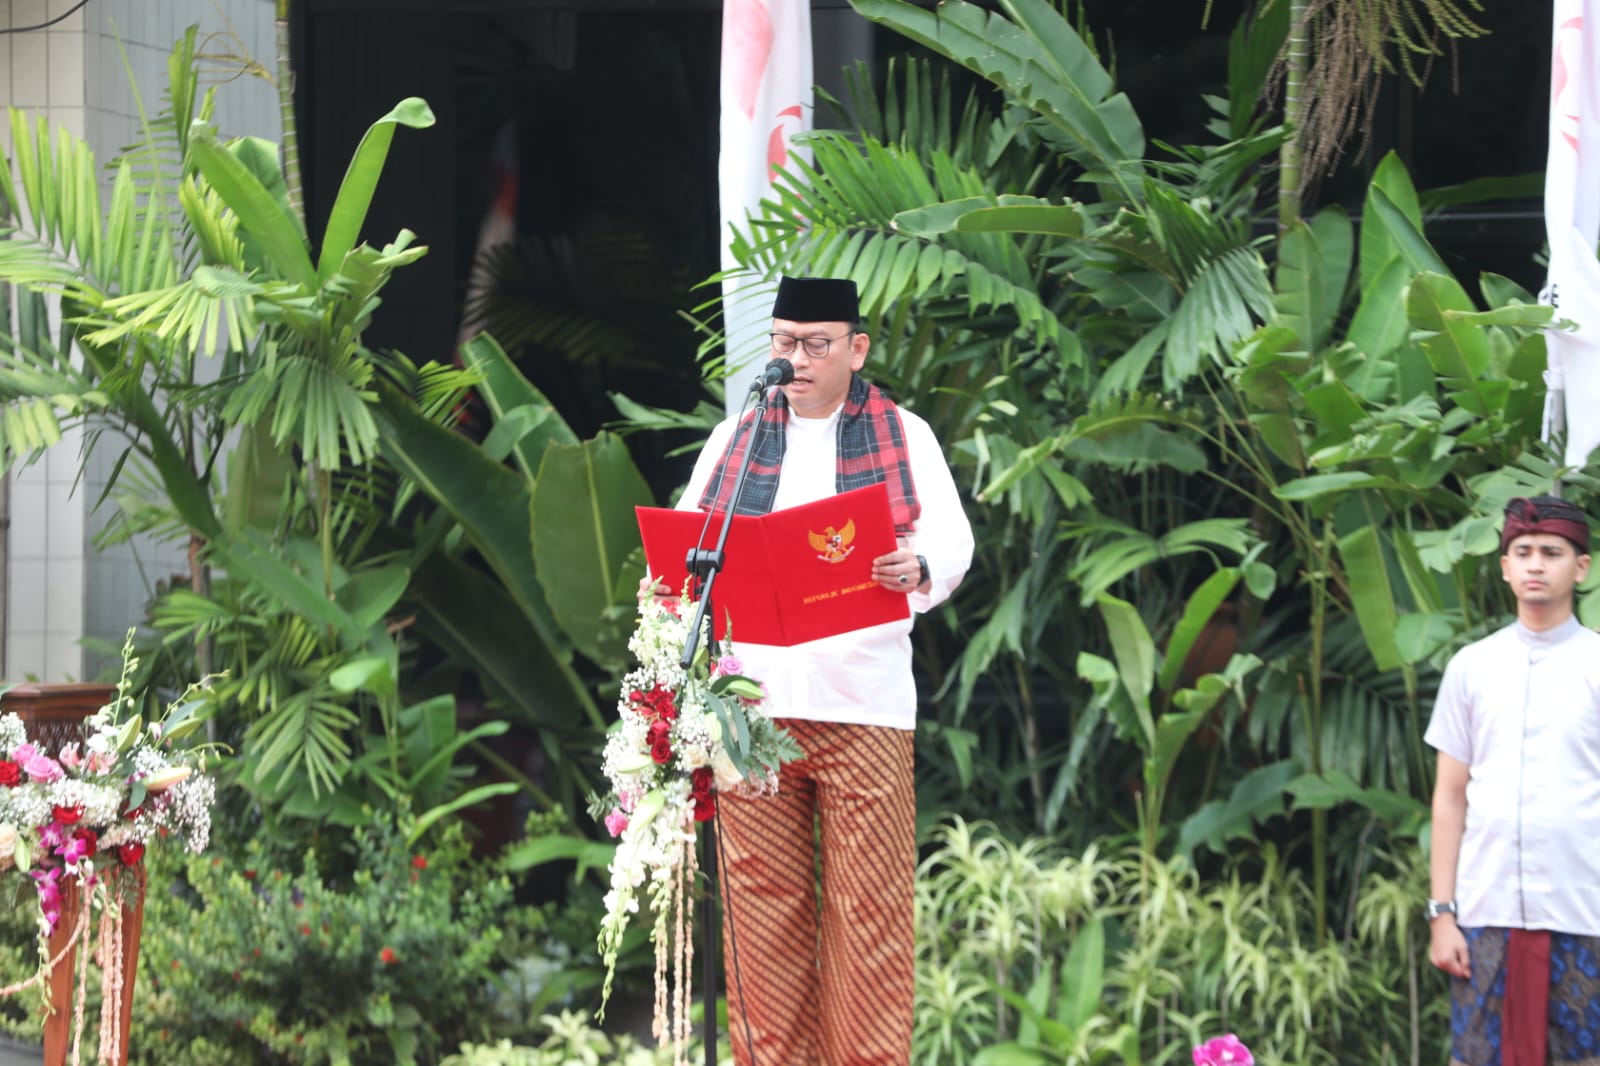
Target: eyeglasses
(816,347)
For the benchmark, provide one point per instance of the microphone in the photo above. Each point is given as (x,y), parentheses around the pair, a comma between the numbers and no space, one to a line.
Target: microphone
(778,372)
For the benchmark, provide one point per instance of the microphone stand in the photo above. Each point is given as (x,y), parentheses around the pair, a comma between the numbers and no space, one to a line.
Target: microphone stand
(704,565)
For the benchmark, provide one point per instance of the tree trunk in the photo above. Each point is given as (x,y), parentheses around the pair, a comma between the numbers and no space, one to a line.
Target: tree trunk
(291,141)
(1297,52)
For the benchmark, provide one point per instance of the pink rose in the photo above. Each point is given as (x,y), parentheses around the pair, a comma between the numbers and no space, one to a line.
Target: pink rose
(729,664)
(616,822)
(42,768)
(1226,1050)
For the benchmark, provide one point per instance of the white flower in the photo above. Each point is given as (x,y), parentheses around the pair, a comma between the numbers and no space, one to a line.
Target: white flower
(726,774)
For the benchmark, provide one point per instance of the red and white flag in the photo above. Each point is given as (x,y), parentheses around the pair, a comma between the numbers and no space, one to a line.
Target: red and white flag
(766,100)
(1572,219)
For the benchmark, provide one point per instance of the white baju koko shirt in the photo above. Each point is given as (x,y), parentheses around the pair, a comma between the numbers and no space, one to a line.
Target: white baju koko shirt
(862,677)
(1522,710)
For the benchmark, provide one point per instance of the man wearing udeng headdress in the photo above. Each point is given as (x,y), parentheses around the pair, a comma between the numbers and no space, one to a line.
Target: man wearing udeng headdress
(1515,868)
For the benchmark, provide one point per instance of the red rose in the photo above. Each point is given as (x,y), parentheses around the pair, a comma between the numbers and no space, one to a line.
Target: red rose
(661,750)
(705,808)
(419,862)
(387,955)
(659,731)
(67,815)
(90,839)
(130,854)
(701,780)
(10,773)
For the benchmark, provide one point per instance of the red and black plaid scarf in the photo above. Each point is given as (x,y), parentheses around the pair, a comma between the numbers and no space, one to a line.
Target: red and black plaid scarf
(872,449)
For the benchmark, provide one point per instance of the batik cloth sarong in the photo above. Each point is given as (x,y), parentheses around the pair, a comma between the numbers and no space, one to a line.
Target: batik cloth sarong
(1479,1006)
(820,970)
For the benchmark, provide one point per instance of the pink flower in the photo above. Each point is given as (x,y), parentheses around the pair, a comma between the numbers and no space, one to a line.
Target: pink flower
(728,664)
(42,768)
(1226,1050)
(70,757)
(49,894)
(79,846)
(23,752)
(101,762)
(616,822)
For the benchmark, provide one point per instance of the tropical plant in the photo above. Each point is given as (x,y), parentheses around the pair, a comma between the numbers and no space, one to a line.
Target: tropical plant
(1028,954)
(198,270)
(1335,56)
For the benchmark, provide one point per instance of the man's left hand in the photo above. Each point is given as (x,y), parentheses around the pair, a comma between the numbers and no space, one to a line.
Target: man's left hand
(899,571)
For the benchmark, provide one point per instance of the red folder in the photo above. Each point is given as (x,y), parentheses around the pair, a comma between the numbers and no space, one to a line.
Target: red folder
(793,575)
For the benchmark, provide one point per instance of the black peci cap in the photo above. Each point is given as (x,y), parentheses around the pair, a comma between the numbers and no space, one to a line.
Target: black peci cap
(816,300)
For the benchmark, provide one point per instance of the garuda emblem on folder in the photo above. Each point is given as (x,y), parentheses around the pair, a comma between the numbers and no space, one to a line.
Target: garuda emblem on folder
(833,545)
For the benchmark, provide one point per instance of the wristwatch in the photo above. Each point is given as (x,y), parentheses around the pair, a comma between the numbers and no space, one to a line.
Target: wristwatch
(926,575)
(1436,908)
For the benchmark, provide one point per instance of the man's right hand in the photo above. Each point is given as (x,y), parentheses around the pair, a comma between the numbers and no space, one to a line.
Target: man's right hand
(1449,947)
(653,586)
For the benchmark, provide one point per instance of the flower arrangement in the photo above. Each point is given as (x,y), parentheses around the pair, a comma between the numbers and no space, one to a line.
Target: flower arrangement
(682,737)
(1225,1050)
(75,818)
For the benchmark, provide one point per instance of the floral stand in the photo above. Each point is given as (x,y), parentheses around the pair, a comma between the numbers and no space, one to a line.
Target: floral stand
(55,715)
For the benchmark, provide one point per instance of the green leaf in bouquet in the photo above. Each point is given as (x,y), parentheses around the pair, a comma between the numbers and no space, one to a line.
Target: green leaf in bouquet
(737,685)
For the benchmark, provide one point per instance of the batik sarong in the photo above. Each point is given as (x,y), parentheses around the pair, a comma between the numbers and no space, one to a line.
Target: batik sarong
(1478,1006)
(819,969)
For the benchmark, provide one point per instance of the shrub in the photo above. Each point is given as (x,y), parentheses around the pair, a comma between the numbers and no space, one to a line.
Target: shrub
(1173,958)
(251,960)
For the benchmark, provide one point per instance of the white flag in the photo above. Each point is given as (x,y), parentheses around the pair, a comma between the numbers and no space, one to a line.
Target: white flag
(1572,218)
(766,100)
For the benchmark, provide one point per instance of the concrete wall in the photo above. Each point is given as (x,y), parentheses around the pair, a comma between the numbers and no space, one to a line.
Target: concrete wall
(59,589)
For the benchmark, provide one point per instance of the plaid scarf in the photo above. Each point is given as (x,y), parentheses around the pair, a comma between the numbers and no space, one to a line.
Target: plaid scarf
(872,449)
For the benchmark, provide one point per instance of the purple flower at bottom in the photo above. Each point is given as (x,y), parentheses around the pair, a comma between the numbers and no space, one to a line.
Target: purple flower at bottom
(49,894)
(76,849)
(1225,1050)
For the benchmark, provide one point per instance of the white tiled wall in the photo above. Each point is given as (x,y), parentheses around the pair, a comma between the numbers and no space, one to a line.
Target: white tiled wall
(59,589)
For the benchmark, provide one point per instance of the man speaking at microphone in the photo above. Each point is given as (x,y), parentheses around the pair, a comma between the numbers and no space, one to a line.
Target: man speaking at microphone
(834,987)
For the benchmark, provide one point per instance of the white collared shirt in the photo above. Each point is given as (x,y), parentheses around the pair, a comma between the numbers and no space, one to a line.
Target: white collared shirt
(1522,711)
(862,677)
